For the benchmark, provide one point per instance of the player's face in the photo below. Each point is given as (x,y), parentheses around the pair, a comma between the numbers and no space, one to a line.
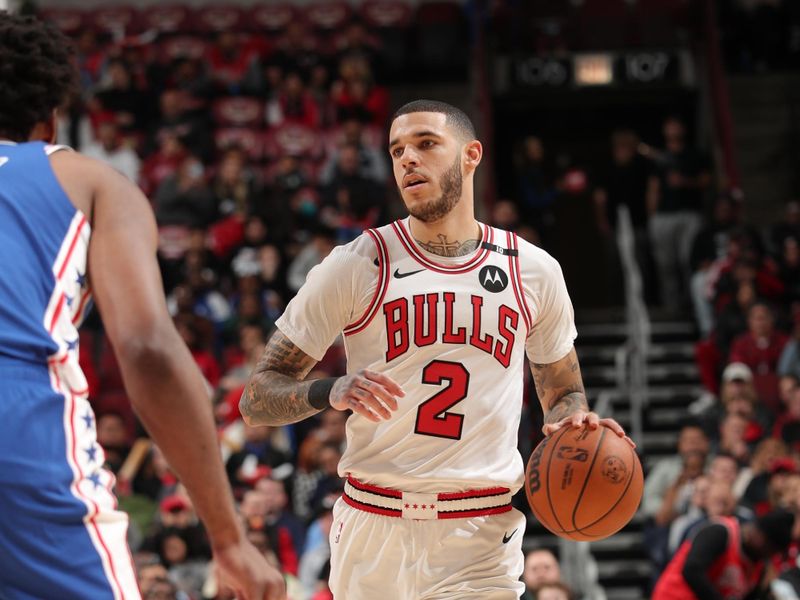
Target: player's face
(426,159)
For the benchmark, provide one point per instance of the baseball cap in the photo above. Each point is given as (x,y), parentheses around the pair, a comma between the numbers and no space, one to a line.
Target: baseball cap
(174,503)
(783,465)
(737,371)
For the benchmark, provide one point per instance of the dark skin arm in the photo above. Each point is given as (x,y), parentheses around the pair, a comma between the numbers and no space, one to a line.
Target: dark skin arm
(277,393)
(164,383)
(559,386)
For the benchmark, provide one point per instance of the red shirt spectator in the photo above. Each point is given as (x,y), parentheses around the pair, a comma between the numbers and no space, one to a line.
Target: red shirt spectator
(229,61)
(760,349)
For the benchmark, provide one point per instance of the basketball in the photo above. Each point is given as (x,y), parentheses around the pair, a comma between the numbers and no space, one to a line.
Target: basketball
(584,484)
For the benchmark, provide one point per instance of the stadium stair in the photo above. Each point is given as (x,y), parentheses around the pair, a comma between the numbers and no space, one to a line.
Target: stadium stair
(622,565)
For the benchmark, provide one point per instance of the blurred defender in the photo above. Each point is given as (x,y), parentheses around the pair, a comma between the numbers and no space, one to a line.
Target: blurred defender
(438,313)
(70,228)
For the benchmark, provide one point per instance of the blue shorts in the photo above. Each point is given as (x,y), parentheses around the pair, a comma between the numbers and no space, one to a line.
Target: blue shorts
(60,533)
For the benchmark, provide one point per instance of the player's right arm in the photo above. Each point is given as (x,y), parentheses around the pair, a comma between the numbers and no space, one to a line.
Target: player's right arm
(335,293)
(277,395)
(165,385)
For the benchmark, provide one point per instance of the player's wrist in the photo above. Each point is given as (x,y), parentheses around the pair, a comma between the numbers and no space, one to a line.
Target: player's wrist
(319,394)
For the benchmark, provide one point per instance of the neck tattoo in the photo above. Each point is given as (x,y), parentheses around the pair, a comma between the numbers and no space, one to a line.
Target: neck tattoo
(444,247)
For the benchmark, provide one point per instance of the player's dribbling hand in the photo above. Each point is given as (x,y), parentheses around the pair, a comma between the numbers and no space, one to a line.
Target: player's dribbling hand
(244,570)
(592,420)
(367,393)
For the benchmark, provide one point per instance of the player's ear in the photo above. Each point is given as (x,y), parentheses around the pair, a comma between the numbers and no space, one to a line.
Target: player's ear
(473,152)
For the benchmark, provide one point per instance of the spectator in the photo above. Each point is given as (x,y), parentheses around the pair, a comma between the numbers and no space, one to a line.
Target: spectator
(536,185)
(110,149)
(184,199)
(733,437)
(293,104)
(177,119)
(787,425)
(286,532)
(118,94)
(788,227)
(623,182)
(725,559)
(675,203)
(372,164)
(298,50)
(789,268)
(352,202)
(258,450)
(667,490)
(760,348)
(356,90)
(321,244)
(765,453)
(229,60)
(162,163)
(709,246)
(115,440)
(541,568)
(198,339)
(765,491)
(318,553)
(554,591)
(235,185)
(789,362)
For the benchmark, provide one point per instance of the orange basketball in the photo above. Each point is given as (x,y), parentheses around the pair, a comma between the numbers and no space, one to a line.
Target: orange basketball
(584,484)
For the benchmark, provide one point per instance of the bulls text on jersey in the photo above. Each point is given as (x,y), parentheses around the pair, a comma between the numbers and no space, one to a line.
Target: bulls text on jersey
(417,321)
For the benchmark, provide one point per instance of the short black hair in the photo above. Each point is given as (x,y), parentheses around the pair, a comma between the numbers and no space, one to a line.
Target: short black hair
(37,74)
(456,117)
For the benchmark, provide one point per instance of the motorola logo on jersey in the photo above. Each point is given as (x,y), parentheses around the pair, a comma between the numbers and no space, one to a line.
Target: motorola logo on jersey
(493,279)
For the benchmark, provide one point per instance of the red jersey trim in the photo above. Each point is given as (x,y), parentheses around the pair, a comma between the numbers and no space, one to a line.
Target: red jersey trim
(518,270)
(380,289)
(373,489)
(411,247)
(378,510)
(512,271)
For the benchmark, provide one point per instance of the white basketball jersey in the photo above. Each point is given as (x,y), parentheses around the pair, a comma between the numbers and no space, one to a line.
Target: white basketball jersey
(453,334)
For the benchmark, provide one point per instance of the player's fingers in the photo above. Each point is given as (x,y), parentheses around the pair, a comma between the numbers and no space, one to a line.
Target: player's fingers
(371,401)
(592,420)
(377,390)
(390,384)
(578,419)
(613,426)
(553,427)
(365,404)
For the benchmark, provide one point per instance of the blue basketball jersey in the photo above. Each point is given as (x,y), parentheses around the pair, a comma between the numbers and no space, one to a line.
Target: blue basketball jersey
(60,533)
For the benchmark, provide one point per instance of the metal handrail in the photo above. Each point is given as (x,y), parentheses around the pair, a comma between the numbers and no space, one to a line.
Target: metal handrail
(630,364)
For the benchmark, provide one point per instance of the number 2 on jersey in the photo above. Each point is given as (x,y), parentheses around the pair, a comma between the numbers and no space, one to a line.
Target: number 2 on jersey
(432,416)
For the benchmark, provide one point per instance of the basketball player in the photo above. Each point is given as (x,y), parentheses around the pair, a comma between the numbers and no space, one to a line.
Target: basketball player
(70,228)
(438,312)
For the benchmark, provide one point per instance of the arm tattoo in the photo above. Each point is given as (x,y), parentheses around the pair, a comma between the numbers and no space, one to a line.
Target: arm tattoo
(275,393)
(443,247)
(560,388)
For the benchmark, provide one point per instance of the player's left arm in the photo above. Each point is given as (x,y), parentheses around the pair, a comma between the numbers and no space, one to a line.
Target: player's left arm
(559,386)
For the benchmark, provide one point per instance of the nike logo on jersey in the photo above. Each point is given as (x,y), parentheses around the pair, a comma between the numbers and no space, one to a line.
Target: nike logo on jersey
(507,538)
(399,275)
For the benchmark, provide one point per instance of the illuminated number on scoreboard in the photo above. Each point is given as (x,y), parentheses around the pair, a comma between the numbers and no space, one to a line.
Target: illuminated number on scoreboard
(432,416)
